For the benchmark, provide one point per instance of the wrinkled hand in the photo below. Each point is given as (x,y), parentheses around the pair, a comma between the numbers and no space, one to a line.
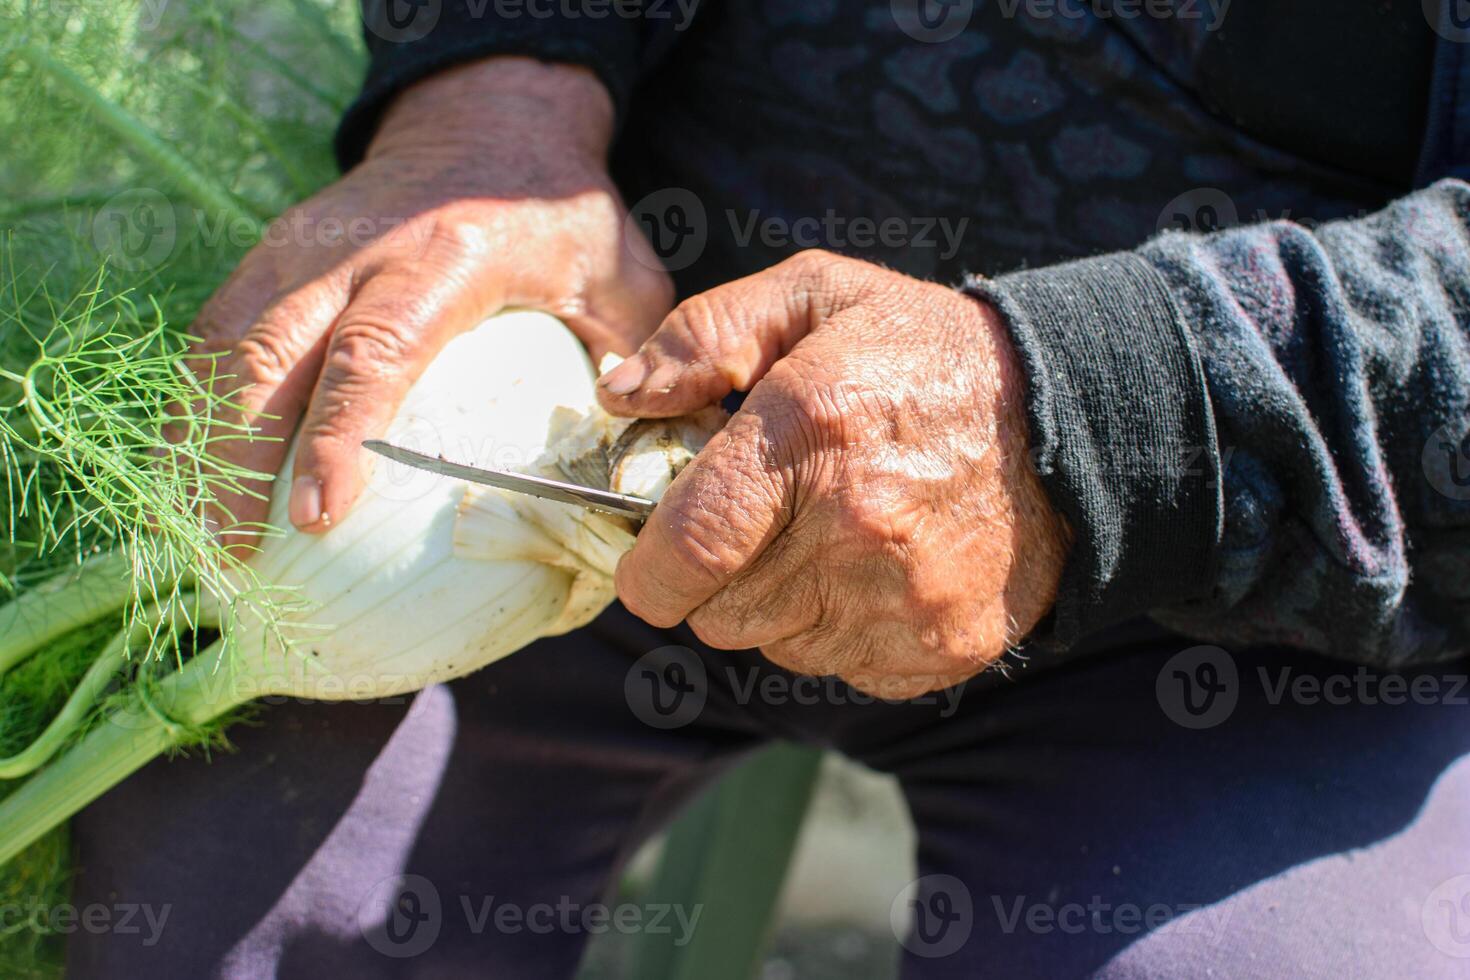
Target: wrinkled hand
(869,512)
(485,188)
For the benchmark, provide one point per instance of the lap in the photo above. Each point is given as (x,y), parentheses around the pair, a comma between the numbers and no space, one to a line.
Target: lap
(1073,826)
(1068,823)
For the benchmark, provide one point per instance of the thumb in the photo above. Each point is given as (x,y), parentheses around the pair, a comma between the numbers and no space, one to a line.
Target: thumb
(727,338)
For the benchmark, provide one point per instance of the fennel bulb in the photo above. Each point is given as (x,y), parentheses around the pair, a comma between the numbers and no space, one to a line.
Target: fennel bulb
(403,607)
(426,579)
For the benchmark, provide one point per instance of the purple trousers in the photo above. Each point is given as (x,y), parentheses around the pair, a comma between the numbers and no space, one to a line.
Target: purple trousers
(1145,809)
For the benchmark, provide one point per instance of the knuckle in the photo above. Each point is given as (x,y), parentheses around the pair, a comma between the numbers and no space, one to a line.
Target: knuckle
(812,273)
(869,518)
(967,646)
(822,272)
(811,263)
(599,214)
(698,547)
(263,356)
(222,322)
(693,328)
(365,347)
(715,629)
(677,562)
(811,408)
(448,235)
(755,606)
(828,279)
(949,644)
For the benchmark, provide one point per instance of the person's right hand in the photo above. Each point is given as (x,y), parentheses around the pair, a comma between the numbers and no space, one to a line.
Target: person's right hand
(486,187)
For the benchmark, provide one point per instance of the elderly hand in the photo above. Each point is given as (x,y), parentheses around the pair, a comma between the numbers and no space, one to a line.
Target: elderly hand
(485,187)
(870,511)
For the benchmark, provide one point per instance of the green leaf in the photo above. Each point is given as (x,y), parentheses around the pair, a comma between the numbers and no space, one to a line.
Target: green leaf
(726,859)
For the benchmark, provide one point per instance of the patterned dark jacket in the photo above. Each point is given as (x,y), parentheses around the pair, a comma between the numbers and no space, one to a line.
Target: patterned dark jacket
(1232,242)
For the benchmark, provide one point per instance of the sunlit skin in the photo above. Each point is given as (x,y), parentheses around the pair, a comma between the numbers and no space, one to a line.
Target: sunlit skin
(869,512)
(468,203)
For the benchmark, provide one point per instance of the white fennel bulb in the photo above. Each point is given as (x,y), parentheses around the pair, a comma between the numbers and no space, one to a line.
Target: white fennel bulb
(394,603)
(427,578)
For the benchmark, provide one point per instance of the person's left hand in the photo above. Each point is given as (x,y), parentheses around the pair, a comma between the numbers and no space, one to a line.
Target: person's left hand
(870,511)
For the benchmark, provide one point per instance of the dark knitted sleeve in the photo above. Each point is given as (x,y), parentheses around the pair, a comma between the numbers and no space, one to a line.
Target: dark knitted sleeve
(1263,434)
(408,40)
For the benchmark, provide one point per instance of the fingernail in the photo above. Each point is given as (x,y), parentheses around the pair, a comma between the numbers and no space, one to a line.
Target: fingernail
(627,377)
(306,501)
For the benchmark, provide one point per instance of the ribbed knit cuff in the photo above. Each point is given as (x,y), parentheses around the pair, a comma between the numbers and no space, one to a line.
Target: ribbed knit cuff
(1122,435)
(443,33)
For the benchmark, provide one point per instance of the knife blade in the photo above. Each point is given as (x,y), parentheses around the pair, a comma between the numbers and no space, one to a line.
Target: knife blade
(606,501)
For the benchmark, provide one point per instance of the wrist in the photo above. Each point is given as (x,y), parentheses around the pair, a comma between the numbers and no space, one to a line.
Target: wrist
(998,349)
(497,102)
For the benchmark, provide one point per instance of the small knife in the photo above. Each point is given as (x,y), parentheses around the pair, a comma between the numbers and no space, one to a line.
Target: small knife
(620,504)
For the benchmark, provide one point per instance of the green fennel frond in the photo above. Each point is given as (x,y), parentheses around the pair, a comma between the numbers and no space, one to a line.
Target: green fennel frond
(104,440)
